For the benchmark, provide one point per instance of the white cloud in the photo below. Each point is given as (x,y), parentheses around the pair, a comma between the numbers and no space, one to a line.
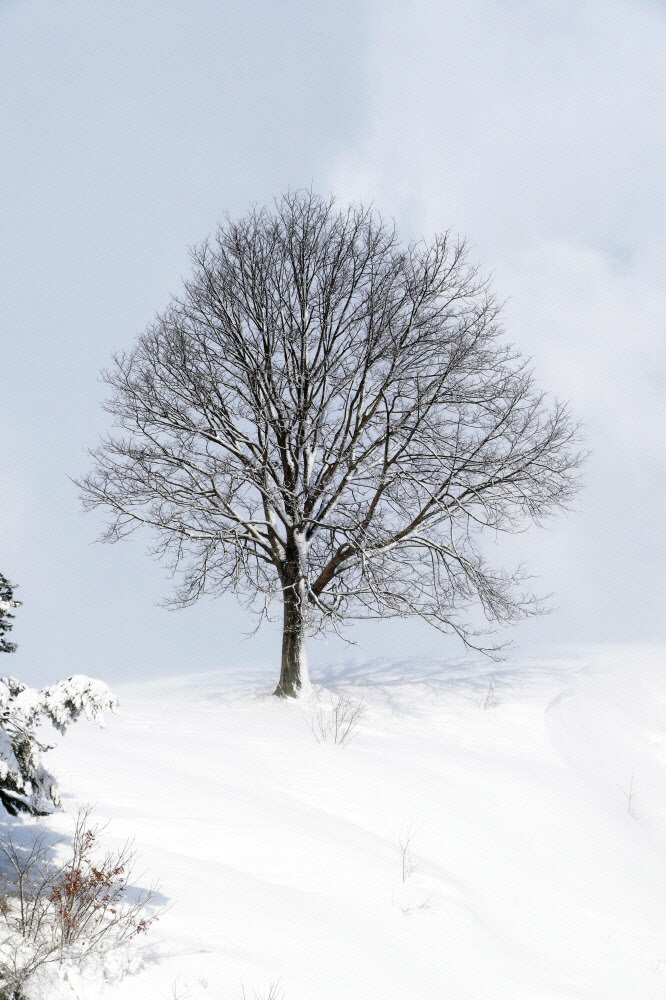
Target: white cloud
(538,131)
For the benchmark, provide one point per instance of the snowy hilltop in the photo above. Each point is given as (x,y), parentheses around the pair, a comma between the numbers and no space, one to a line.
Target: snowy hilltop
(491,831)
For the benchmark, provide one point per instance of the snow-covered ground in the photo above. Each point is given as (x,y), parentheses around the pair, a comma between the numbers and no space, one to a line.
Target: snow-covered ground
(537,825)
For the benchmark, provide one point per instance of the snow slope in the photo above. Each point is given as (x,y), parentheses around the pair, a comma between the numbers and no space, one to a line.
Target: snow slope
(539,868)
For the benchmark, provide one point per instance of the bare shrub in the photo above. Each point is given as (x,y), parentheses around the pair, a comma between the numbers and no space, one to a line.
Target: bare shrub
(415,906)
(275,992)
(630,795)
(339,724)
(57,910)
(409,902)
(176,995)
(491,699)
(407,858)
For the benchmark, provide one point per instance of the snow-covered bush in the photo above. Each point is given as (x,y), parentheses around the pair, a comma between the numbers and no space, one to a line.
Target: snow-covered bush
(25,784)
(7,605)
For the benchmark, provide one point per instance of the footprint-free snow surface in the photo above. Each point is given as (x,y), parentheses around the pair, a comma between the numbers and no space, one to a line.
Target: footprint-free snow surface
(493,832)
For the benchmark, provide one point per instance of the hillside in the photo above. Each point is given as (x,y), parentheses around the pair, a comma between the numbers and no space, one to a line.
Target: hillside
(534,877)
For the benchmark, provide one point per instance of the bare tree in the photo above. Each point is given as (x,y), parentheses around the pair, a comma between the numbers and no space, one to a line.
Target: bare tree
(327,417)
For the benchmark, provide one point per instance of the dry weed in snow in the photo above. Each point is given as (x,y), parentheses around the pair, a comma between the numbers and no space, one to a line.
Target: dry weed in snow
(407,858)
(339,724)
(275,992)
(491,699)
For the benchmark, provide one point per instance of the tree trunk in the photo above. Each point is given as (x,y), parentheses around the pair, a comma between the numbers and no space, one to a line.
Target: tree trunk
(294,672)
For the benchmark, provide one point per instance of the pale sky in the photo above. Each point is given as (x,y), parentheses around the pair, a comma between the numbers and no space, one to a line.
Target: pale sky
(536,130)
